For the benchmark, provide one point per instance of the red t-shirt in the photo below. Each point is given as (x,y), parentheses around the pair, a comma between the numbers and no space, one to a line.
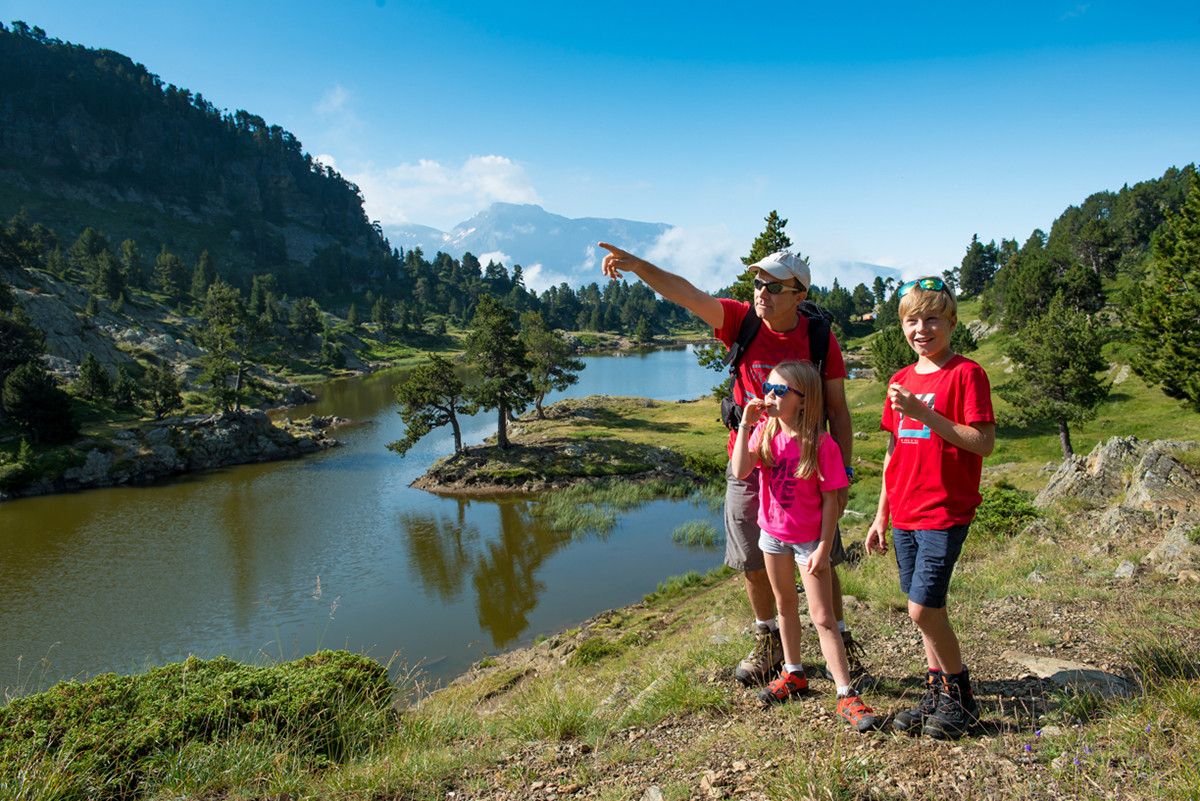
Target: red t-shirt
(767,349)
(932,484)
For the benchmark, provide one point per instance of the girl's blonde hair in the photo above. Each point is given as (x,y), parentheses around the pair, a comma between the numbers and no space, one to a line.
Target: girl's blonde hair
(810,420)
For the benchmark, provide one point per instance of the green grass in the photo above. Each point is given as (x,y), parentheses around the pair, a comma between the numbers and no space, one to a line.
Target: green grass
(201,723)
(697,532)
(591,508)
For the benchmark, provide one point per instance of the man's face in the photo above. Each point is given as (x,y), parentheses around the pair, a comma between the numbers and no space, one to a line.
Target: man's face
(778,311)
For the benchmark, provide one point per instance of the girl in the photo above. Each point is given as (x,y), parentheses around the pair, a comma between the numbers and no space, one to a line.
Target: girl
(800,476)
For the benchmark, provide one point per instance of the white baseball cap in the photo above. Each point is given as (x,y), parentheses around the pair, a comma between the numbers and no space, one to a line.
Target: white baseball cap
(784,264)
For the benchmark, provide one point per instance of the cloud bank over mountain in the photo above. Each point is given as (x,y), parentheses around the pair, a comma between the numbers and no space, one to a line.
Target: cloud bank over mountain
(553,249)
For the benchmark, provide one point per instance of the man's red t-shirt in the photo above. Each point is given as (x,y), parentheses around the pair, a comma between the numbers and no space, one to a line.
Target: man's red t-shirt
(767,349)
(932,484)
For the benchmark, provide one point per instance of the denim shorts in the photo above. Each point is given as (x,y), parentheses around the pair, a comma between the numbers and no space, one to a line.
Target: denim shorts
(801,550)
(741,525)
(926,558)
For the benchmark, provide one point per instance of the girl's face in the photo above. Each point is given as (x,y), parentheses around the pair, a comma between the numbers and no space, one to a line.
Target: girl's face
(789,405)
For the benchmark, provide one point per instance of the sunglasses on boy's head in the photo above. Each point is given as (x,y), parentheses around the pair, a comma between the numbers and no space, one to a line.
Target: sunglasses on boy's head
(779,389)
(774,287)
(934,284)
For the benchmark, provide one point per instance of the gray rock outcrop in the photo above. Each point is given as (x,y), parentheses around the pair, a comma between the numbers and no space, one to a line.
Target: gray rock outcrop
(1136,493)
(185,445)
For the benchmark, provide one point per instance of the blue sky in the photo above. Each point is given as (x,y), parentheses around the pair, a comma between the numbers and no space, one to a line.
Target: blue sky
(885,133)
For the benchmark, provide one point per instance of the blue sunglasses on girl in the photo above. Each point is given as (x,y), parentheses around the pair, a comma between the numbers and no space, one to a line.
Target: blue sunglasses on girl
(779,389)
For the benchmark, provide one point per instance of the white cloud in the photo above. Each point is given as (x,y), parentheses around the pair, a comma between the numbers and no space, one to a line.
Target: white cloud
(439,195)
(499,257)
(538,278)
(708,257)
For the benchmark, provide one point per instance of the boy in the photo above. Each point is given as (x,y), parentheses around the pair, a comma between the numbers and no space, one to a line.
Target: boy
(939,413)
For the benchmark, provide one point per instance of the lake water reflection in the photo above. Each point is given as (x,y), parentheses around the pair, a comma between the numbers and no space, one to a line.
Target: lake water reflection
(335,550)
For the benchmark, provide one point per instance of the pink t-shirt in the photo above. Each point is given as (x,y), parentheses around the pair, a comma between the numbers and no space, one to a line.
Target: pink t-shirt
(767,349)
(789,508)
(932,484)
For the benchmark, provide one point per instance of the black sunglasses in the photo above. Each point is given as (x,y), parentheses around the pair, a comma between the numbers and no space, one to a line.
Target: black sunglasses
(774,287)
(934,284)
(779,389)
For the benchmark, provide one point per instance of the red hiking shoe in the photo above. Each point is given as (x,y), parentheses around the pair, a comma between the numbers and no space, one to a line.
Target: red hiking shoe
(784,687)
(856,713)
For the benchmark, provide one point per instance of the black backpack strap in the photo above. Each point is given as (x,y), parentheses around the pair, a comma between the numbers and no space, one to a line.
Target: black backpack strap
(818,344)
(750,325)
(819,327)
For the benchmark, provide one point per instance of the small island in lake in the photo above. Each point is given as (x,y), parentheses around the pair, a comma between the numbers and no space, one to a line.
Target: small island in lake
(585,439)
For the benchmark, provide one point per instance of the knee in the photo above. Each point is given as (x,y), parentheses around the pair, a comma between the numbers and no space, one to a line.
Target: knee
(787,603)
(823,619)
(923,615)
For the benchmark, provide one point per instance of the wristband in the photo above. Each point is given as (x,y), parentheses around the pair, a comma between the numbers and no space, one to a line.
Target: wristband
(743,425)
(850,473)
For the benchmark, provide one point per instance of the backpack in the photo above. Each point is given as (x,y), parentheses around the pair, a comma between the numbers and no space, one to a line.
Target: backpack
(819,325)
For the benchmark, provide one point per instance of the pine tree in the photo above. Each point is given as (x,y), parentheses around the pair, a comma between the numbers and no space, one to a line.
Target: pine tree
(771,240)
(432,396)
(162,391)
(31,399)
(552,365)
(169,275)
(124,390)
(1058,358)
(1166,318)
(498,356)
(202,277)
(94,382)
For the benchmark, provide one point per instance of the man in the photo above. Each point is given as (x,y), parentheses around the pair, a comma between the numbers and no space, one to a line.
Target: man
(781,283)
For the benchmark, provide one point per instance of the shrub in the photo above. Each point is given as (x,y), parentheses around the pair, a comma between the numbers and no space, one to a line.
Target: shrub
(99,737)
(592,651)
(1004,512)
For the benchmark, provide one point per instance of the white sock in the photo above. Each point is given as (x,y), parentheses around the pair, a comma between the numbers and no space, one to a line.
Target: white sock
(843,692)
(772,624)
(842,626)
(794,668)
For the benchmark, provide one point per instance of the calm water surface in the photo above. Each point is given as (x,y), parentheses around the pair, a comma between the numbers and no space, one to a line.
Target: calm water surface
(334,550)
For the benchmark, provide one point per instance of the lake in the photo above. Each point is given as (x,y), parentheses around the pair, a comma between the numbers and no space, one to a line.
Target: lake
(335,550)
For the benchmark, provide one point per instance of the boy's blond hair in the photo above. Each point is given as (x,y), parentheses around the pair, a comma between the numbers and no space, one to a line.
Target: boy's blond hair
(921,302)
(804,377)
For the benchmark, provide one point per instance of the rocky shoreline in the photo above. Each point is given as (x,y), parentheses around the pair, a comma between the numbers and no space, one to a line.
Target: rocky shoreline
(166,448)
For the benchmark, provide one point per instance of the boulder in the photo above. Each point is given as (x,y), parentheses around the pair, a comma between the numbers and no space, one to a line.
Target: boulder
(1179,552)
(1160,479)
(1097,478)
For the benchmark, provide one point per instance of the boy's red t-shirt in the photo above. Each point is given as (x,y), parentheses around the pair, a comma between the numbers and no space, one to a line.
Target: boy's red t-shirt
(932,484)
(767,349)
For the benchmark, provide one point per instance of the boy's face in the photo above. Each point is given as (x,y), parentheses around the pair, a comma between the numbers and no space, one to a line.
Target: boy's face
(928,334)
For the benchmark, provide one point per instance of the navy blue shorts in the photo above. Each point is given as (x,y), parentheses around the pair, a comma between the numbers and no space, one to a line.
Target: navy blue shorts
(926,558)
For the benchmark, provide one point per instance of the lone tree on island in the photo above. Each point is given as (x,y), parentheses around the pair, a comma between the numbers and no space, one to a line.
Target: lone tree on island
(498,356)
(431,397)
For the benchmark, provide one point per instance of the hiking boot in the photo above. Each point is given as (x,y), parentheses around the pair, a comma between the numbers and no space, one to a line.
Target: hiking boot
(764,659)
(956,711)
(860,679)
(856,713)
(784,687)
(915,718)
